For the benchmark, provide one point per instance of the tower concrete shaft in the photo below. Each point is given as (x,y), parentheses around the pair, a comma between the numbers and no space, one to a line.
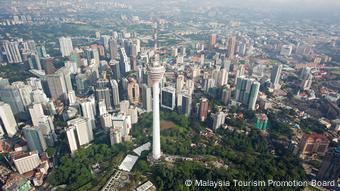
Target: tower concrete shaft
(156,73)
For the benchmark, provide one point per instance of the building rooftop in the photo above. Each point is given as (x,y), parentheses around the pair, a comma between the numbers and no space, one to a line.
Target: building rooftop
(128,162)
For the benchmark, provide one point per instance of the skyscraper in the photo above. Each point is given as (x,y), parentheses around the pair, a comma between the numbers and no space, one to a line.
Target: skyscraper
(218,119)
(231,47)
(184,103)
(88,111)
(36,112)
(35,138)
(212,41)
(168,97)
(56,85)
(103,93)
(146,98)
(11,95)
(124,62)
(66,46)
(203,109)
(12,52)
(247,91)
(113,46)
(275,75)
(115,92)
(7,120)
(133,91)
(84,132)
(179,83)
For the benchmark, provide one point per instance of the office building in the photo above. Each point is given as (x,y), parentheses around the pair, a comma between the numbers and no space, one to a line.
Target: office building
(7,120)
(106,121)
(66,46)
(88,109)
(36,112)
(115,92)
(11,95)
(115,136)
(247,91)
(179,83)
(203,109)
(231,47)
(103,92)
(275,75)
(133,91)
(218,119)
(35,138)
(146,98)
(57,85)
(212,41)
(286,50)
(168,97)
(12,52)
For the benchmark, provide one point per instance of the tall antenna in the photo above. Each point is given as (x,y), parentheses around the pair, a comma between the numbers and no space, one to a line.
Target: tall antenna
(156,48)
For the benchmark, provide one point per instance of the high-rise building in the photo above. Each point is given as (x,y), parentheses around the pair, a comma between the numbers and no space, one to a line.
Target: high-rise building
(275,75)
(24,92)
(34,61)
(84,132)
(66,46)
(7,120)
(11,95)
(102,107)
(88,111)
(115,68)
(115,136)
(113,46)
(124,62)
(247,91)
(37,113)
(179,83)
(12,52)
(261,121)
(222,78)
(146,98)
(72,138)
(218,119)
(212,41)
(133,91)
(124,106)
(226,95)
(231,47)
(115,92)
(168,97)
(35,138)
(203,109)
(122,121)
(57,85)
(106,121)
(103,92)
(184,101)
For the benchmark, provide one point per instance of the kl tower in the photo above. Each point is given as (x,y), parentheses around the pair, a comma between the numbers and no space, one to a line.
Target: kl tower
(156,72)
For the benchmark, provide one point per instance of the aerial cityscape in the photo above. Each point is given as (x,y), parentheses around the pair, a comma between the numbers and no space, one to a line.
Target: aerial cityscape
(169,95)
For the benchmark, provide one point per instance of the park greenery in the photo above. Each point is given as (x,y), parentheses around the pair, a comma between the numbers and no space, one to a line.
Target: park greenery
(75,171)
(246,156)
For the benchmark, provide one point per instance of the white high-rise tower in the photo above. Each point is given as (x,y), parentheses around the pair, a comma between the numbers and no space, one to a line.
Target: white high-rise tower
(156,72)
